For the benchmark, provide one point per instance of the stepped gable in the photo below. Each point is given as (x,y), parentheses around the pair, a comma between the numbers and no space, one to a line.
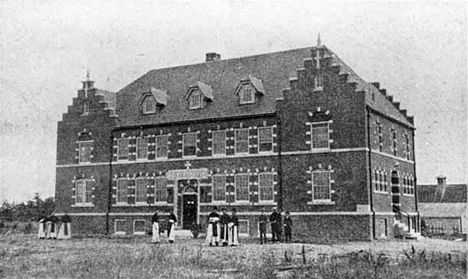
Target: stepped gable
(223,76)
(382,102)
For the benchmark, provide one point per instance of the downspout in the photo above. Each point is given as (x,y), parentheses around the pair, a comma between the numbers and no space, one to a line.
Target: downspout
(280,165)
(415,186)
(371,194)
(109,193)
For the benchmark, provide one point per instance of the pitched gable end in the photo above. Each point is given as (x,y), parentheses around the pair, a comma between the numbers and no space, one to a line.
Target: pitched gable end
(160,96)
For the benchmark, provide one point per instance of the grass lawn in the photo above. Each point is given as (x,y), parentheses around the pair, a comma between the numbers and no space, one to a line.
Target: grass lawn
(25,256)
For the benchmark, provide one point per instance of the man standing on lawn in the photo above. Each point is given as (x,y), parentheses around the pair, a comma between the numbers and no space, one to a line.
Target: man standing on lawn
(155,226)
(224,221)
(262,223)
(233,229)
(42,226)
(275,220)
(287,227)
(212,232)
(171,227)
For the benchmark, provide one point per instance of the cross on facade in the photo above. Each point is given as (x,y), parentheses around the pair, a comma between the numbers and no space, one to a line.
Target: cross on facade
(187,165)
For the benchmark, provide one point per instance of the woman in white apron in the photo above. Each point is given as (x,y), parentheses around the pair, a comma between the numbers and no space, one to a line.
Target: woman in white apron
(233,239)
(155,226)
(171,227)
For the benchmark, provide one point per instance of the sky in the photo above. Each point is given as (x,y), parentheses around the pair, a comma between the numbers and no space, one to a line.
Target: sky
(416,50)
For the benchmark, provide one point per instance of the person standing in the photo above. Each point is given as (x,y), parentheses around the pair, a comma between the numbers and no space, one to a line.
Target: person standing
(42,226)
(155,227)
(52,227)
(224,222)
(171,227)
(212,232)
(288,224)
(64,232)
(262,223)
(233,238)
(275,220)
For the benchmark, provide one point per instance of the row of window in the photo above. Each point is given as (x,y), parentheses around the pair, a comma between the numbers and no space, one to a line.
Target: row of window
(380,182)
(216,192)
(394,141)
(319,140)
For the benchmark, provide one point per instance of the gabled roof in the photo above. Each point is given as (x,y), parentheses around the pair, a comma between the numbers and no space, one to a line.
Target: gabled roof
(442,209)
(160,96)
(454,193)
(256,83)
(206,90)
(274,69)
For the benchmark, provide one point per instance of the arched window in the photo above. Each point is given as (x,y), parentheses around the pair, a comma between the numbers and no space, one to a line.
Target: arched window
(149,105)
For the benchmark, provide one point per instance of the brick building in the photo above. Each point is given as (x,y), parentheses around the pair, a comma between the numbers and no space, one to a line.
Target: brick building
(296,129)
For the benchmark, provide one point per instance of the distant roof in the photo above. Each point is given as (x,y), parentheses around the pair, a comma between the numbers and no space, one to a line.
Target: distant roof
(442,209)
(454,193)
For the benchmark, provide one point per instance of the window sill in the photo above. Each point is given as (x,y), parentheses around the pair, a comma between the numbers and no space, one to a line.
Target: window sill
(141,204)
(408,195)
(265,152)
(189,156)
(318,89)
(266,202)
(319,150)
(85,163)
(138,233)
(160,159)
(219,155)
(82,205)
(120,233)
(121,204)
(320,203)
(381,192)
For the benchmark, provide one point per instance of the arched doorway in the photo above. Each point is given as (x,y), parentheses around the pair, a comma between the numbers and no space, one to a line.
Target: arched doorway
(189,205)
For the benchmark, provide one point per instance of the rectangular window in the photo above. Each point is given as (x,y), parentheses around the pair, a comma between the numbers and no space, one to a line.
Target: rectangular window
(219,142)
(380,135)
(120,227)
(85,110)
(142,148)
(85,149)
(141,190)
(407,147)
(149,105)
(190,144)
(161,147)
(122,191)
(139,227)
(318,82)
(265,139)
(122,152)
(195,100)
(84,192)
(320,136)
(321,186)
(242,187)
(244,227)
(242,141)
(219,188)
(265,182)
(394,137)
(246,95)
(160,189)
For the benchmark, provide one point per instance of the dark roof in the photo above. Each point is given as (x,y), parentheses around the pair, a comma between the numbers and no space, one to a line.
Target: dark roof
(223,76)
(442,209)
(454,193)
(109,97)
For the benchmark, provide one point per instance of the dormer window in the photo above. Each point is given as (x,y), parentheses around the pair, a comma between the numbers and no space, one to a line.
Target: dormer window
(151,99)
(195,100)
(248,89)
(149,105)
(318,83)
(85,109)
(198,95)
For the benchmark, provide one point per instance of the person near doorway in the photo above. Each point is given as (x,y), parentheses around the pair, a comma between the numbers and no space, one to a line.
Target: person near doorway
(52,227)
(155,227)
(171,227)
(233,238)
(224,222)
(212,232)
(288,224)
(275,220)
(262,226)
(42,226)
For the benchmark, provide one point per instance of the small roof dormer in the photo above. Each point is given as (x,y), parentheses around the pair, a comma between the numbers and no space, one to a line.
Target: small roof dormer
(248,88)
(152,98)
(198,94)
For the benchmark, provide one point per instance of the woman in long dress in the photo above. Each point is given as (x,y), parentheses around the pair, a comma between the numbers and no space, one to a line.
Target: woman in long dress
(213,229)
(64,231)
(42,226)
(155,222)
(171,227)
(233,239)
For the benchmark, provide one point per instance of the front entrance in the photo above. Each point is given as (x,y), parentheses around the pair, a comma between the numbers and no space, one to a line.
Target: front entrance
(189,211)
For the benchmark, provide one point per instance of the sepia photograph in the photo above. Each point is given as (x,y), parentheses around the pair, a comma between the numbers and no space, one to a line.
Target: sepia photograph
(233,139)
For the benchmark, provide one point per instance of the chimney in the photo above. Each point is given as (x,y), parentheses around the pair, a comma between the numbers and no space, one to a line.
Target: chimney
(440,188)
(212,56)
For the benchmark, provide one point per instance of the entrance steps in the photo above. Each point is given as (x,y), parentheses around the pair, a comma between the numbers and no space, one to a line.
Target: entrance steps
(402,230)
(183,234)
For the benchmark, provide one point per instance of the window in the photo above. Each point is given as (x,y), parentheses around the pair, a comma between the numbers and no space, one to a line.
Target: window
(380,135)
(407,147)
(160,189)
(242,141)
(139,227)
(141,190)
(142,148)
(219,188)
(408,185)
(119,227)
(149,105)
(320,136)
(85,109)
(84,150)
(122,191)
(190,144)
(265,139)
(380,181)
(265,182)
(219,142)
(321,186)
(394,139)
(246,95)
(195,100)
(318,82)
(244,227)
(84,192)
(242,187)
(161,147)
(122,152)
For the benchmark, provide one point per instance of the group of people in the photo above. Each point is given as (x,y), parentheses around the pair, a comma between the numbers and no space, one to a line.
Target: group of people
(171,224)
(222,229)
(277,225)
(52,227)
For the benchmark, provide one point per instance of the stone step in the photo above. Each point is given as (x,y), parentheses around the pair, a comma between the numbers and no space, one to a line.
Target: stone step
(183,233)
